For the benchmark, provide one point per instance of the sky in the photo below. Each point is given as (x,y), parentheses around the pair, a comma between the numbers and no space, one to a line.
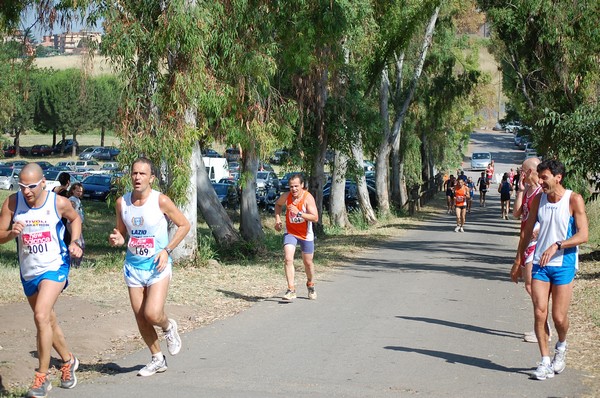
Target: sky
(30,17)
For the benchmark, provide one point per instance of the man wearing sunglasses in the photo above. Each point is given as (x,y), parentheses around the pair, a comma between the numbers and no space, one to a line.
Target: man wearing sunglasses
(32,216)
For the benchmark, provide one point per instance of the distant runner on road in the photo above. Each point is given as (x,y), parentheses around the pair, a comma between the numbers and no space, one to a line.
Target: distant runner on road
(301,212)
(563,227)
(143,215)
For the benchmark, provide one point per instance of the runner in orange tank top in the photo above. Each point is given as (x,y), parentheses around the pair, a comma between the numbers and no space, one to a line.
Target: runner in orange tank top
(301,212)
(461,195)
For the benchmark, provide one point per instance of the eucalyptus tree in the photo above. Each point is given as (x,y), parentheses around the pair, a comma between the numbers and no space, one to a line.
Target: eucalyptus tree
(45,117)
(254,115)
(399,24)
(549,56)
(159,48)
(311,36)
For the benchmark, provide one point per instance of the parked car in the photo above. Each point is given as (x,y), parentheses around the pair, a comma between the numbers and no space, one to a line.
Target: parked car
(210,153)
(16,164)
(86,165)
(234,167)
(41,150)
(227,194)
(98,187)
(52,177)
(284,183)
(280,156)
(69,143)
(59,168)
(233,154)
(266,179)
(9,178)
(66,163)
(88,153)
(107,153)
(351,195)
(45,165)
(11,151)
(480,160)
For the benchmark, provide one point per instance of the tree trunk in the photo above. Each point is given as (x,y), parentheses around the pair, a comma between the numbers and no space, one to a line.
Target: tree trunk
(53,138)
(212,211)
(189,246)
(337,197)
(250,222)
(383,156)
(317,178)
(74,147)
(102,132)
(363,193)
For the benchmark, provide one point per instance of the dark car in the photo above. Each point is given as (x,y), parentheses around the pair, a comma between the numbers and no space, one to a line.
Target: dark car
(16,164)
(210,153)
(279,157)
(41,150)
(227,194)
(233,154)
(45,165)
(98,187)
(284,183)
(107,153)
(69,143)
(351,195)
(11,151)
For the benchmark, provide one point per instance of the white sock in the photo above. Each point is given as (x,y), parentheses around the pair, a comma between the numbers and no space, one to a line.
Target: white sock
(546,361)
(561,345)
(159,355)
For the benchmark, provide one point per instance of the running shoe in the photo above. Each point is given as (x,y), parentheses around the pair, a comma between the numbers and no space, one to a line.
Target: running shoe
(155,366)
(68,379)
(289,295)
(543,372)
(312,295)
(457,229)
(462,229)
(559,361)
(173,339)
(41,386)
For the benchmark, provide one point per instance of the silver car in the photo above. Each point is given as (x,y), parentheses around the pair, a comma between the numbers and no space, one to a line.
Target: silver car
(480,160)
(9,178)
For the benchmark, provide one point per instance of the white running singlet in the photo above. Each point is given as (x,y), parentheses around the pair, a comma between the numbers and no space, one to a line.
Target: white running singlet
(556,224)
(40,246)
(148,231)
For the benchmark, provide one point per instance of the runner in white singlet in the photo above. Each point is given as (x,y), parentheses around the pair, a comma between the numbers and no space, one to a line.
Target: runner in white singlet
(563,227)
(33,216)
(142,216)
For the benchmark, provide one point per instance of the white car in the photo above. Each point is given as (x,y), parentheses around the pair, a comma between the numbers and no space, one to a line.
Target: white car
(9,178)
(86,165)
(480,160)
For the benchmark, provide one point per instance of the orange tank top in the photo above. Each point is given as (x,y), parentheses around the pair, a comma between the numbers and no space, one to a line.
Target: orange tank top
(460,195)
(295,225)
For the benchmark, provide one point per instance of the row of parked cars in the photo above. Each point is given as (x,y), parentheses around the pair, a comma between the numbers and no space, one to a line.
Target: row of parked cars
(41,150)
(98,182)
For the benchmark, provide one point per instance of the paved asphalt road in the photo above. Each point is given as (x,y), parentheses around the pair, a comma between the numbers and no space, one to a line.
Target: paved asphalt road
(430,314)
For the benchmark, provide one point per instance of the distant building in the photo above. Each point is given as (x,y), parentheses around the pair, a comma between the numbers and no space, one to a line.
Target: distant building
(76,42)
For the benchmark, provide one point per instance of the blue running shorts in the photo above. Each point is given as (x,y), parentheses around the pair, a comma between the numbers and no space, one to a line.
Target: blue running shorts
(555,275)
(307,246)
(61,275)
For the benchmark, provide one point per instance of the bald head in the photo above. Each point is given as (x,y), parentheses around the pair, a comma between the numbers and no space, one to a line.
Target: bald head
(31,171)
(531,164)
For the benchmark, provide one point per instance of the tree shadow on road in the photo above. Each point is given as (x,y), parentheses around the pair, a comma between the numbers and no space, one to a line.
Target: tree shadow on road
(472,328)
(461,359)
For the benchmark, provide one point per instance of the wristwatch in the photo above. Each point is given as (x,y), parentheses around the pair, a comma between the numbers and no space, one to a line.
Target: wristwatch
(299,214)
(559,244)
(78,242)
(169,251)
